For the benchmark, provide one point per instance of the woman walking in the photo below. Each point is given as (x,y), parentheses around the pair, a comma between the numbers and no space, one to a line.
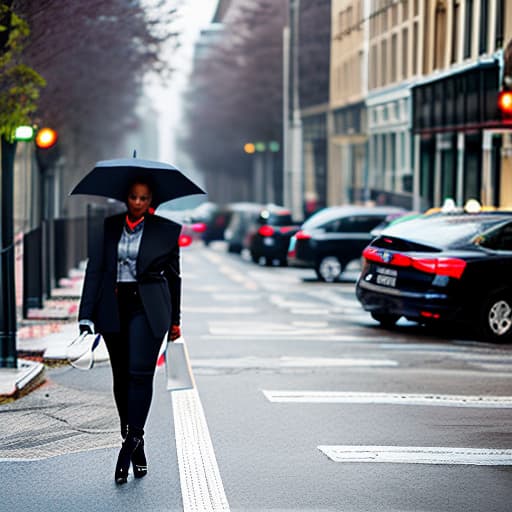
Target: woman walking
(131,295)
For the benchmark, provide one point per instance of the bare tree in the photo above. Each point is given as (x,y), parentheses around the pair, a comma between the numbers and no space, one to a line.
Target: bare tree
(94,56)
(235,96)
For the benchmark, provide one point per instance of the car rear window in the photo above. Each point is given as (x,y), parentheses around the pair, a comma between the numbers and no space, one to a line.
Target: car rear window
(443,231)
(276,219)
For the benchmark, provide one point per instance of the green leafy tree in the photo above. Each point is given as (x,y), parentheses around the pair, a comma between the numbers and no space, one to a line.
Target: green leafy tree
(20,85)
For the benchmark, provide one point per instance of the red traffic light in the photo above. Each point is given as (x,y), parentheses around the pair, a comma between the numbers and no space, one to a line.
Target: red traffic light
(46,138)
(505,102)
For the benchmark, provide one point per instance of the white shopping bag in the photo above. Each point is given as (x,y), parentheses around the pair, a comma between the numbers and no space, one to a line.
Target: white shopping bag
(80,352)
(177,363)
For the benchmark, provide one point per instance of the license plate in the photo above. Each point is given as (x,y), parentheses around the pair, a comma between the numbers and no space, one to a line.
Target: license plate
(268,241)
(386,276)
(386,280)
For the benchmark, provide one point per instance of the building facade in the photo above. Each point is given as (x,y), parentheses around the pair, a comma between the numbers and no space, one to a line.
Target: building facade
(348,164)
(459,134)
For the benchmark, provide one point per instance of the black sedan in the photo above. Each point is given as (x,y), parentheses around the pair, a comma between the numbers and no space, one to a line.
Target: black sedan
(453,268)
(333,237)
(270,236)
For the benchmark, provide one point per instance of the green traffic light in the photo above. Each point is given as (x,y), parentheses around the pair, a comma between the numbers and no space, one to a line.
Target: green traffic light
(24,133)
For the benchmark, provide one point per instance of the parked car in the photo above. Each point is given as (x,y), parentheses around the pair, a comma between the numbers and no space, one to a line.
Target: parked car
(270,235)
(215,223)
(243,216)
(453,268)
(333,237)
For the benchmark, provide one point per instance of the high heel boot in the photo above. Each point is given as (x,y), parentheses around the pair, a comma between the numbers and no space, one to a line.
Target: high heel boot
(130,444)
(139,462)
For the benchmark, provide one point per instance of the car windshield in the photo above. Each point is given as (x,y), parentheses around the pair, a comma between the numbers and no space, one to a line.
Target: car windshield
(444,231)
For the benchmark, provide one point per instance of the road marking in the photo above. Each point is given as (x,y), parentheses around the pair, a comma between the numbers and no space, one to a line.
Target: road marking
(236,297)
(201,484)
(419,455)
(220,309)
(310,311)
(288,362)
(316,325)
(349,397)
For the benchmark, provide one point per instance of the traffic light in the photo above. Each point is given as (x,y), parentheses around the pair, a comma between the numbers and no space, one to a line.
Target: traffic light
(47,150)
(505,104)
(46,138)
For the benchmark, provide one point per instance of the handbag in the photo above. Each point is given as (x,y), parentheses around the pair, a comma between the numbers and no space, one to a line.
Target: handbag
(80,352)
(178,368)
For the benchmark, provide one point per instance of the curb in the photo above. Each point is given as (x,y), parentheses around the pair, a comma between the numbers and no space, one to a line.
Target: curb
(28,376)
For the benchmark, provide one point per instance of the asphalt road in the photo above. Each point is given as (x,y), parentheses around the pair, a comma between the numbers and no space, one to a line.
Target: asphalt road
(291,376)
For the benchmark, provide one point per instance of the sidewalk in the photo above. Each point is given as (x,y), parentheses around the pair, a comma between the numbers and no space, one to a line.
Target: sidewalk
(44,337)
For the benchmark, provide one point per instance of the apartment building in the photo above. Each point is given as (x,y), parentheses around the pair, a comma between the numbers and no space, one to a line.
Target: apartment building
(395,35)
(347,127)
(460,144)
(314,68)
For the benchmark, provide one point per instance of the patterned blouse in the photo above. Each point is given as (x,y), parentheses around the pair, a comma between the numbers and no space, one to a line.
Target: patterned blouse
(127,252)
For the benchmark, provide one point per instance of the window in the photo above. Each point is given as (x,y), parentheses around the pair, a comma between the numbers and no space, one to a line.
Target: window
(498,239)
(440,35)
(426,37)
(468,28)
(394,57)
(455,31)
(484,23)
(405,53)
(384,63)
(358,223)
(415,58)
(405,10)
(500,20)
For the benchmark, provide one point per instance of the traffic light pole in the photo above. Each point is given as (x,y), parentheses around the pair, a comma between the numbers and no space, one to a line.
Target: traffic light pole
(8,357)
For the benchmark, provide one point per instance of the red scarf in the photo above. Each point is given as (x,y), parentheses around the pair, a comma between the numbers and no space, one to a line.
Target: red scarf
(134,224)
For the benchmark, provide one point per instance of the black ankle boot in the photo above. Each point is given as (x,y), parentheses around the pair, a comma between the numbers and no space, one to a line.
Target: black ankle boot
(130,444)
(139,462)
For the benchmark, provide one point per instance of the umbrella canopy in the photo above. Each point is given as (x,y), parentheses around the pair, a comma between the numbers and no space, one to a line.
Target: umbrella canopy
(112,178)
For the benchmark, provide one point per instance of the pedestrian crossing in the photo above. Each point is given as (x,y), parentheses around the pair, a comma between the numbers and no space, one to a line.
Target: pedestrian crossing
(419,455)
(312,315)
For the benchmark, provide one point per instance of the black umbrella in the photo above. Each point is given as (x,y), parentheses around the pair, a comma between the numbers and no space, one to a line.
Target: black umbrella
(112,178)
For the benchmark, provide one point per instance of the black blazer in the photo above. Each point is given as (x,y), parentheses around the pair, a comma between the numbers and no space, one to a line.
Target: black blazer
(158,276)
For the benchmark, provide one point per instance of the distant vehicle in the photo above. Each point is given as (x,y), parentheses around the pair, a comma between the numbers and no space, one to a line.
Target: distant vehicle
(333,237)
(270,235)
(212,223)
(243,216)
(449,268)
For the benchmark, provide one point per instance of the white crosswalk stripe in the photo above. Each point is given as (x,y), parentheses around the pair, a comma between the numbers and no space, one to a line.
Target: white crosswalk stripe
(419,455)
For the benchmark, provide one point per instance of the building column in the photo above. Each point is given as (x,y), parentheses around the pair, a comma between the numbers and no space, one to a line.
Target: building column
(487,192)
(416,193)
(459,200)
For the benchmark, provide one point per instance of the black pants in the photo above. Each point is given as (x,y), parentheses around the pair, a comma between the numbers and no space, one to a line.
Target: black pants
(133,357)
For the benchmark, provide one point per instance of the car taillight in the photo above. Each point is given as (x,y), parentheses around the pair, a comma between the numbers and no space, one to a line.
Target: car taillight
(184,240)
(302,235)
(266,231)
(286,229)
(451,267)
(199,227)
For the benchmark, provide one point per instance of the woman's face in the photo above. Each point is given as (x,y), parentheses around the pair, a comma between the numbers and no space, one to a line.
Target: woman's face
(139,200)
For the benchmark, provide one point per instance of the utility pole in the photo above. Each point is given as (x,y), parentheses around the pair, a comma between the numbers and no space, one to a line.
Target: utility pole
(8,357)
(295,139)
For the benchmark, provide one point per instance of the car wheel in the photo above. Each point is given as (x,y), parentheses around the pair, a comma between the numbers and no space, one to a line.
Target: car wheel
(496,318)
(329,269)
(385,319)
(255,258)
(283,262)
